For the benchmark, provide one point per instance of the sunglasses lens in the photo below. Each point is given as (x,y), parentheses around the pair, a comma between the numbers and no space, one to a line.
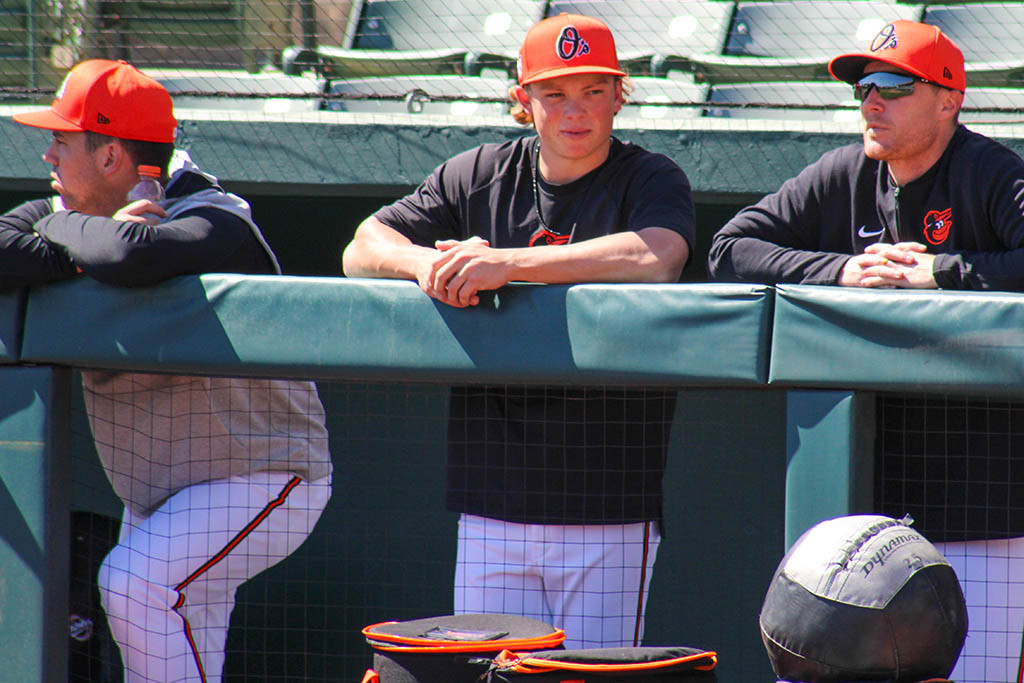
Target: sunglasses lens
(889,86)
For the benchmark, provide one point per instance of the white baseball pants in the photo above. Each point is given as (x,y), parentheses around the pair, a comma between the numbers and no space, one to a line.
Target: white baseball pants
(168,586)
(590,580)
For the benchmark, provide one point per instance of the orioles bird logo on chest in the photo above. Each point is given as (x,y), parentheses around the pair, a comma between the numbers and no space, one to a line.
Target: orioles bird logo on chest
(937,225)
(570,44)
(543,236)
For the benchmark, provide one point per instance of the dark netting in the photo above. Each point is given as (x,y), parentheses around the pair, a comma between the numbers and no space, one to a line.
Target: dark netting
(558,455)
(952,463)
(690,59)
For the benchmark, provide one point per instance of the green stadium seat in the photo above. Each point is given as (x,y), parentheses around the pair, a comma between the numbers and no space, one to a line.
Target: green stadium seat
(785,100)
(219,34)
(24,47)
(238,90)
(658,36)
(991,36)
(457,96)
(405,37)
(15,42)
(795,39)
(659,98)
(1009,100)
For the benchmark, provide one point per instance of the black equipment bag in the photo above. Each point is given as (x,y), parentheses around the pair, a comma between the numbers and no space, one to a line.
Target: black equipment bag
(605,665)
(451,649)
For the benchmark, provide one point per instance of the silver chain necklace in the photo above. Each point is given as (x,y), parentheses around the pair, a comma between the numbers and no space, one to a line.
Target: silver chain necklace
(546,234)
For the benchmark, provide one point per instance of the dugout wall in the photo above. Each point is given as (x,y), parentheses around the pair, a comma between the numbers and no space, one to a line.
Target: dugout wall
(383,355)
(773,431)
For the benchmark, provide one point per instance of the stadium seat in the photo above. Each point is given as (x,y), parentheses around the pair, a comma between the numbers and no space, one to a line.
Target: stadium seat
(1007,99)
(796,100)
(241,91)
(651,98)
(657,36)
(25,46)
(659,98)
(190,33)
(991,36)
(795,39)
(15,44)
(405,37)
(439,95)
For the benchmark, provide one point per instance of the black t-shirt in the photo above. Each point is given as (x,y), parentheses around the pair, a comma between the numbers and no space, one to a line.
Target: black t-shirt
(551,455)
(489,192)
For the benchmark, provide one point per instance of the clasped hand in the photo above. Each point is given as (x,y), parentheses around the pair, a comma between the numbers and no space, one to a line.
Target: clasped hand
(903,265)
(462,268)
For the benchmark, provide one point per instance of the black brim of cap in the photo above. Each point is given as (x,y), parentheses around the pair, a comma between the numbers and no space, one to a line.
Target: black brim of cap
(848,68)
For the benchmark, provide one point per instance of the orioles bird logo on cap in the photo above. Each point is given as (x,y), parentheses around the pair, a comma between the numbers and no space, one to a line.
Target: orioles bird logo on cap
(571,44)
(886,38)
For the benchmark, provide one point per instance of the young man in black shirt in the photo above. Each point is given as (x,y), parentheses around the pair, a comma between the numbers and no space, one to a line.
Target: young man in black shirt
(559,489)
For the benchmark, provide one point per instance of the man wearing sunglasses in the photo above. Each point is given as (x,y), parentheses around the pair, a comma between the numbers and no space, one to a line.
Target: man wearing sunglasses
(922,202)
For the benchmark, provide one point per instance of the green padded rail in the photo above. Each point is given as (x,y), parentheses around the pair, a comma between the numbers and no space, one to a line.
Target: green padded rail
(954,342)
(829,448)
(337,328)
(35,478)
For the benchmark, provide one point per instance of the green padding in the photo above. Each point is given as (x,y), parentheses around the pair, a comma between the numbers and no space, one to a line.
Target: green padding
(957,342)
(34,542)
(12,310)
(336,328)
(829,441)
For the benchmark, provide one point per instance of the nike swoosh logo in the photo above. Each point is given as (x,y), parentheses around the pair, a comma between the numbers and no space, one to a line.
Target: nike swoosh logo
(865,234)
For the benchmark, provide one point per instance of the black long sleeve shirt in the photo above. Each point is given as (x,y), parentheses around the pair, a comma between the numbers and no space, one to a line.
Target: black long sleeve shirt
(39,245)
(968,210)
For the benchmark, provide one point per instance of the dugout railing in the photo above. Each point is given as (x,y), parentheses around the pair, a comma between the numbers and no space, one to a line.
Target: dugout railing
(773,431)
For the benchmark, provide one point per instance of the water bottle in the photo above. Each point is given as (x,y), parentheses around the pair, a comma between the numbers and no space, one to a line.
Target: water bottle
(148,187)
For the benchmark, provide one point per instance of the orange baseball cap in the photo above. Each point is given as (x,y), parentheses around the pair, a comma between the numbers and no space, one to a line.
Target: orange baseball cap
(920,49)
(567,44)
(111,98)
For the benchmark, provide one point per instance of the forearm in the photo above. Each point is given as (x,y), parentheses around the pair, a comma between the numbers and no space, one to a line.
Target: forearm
(128,253)
(1000,271)
(749,259)
(650,255)
(378,250)
(25,257)
(371,258)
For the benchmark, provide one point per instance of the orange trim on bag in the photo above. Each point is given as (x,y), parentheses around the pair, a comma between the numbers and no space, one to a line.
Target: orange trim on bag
(387,642)
(371,676)
(527,664)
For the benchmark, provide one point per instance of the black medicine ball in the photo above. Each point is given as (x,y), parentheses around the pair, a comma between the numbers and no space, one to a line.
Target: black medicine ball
(863,598)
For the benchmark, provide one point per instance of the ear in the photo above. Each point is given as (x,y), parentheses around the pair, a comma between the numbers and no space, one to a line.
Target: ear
(113,158)
(523,98)
(950,104)
(619,98)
